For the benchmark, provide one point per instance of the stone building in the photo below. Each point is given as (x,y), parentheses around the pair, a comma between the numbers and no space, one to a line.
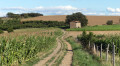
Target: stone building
(75,24)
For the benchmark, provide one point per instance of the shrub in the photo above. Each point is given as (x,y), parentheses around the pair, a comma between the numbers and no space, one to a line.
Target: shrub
(85,38)
(1,31)
(10,30)
(110,22)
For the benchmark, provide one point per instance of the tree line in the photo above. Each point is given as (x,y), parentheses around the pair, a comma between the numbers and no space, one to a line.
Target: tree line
(23,15)
(17,24)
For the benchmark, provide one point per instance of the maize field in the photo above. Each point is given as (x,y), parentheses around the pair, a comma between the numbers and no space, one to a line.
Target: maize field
(24,44)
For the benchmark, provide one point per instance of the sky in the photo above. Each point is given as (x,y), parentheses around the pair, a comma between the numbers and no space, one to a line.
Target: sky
(61,7)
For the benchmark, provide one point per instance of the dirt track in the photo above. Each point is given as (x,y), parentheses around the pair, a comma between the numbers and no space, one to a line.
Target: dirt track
(67,59)
(43,62)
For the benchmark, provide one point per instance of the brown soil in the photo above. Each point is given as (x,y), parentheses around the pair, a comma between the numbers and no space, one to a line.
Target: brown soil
(47,18)
(75,33)
(58,54)
(67,60)
(43,62)
(92,20)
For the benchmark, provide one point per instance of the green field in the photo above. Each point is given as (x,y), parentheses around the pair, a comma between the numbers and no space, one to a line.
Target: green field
(97,28)
(24,45)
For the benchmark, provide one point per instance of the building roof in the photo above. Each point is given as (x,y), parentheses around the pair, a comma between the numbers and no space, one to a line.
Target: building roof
(76,21)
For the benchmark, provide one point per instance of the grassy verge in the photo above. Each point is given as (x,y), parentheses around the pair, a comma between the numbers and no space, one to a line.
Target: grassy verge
(97,28)
(82,57)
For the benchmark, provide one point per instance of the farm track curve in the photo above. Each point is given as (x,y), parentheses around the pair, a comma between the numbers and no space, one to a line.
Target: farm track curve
(67,60)
(43,62)
(58,52)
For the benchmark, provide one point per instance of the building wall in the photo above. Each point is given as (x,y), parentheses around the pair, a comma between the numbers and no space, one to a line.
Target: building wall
(78,25)
(72,25)
(75,25)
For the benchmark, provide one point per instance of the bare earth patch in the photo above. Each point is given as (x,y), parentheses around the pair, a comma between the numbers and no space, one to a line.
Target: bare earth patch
(75,33)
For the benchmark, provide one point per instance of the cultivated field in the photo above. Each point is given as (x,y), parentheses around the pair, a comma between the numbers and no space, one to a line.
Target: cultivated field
(35,47)
(47,18)
(26,45)
(47,46)
(92,20)
(76,33)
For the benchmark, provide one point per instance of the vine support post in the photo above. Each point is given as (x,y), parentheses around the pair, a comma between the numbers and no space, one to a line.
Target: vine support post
(113,55)
(107,50)
(94,49)
(101,51)
(107,54)
(89,44)
(97,51)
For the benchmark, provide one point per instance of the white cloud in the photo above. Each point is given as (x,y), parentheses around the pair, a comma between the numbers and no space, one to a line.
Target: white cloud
(14,8)
(101,14)
(90,13)
(42,8)
(113,9)
(2,14)
(117,9)
(65,8)
(59,10)
(114,14)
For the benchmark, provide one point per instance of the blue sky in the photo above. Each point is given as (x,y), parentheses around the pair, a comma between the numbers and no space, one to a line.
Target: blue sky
(61,7)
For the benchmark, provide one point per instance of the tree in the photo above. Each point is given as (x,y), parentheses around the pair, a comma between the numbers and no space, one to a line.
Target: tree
(77,17)
(1,21)
(24,15)
(12,15)
(1,31)
(109,22)
(10,29)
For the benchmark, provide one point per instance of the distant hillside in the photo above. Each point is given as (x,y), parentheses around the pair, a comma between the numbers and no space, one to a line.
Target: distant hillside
(92,20)
(47,18)
(100,20)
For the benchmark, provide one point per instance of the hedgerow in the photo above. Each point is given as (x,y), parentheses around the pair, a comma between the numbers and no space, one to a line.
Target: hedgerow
(17,24)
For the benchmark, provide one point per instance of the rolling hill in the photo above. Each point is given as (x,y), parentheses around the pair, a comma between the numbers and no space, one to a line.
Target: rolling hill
(92,20)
